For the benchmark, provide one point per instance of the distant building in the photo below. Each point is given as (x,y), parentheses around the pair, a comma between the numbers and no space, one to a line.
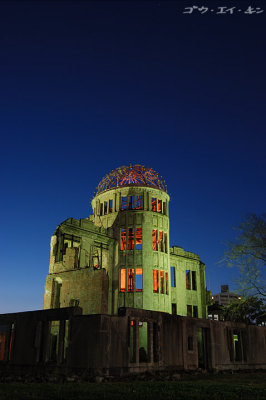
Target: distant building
(120,256)
(225,297)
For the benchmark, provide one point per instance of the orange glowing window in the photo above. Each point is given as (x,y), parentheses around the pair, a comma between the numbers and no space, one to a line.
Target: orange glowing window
(123,280)
(130,282)
(139,202)
(110,206)
(166,282)
(131,323)
(165,242)
(155,281)
(162,281)
(138,279)
(130,242)
(154,239)
(154,204)
(188,279)
(159,205)
(139,238)
(124,203)
(123,240)
(160,241)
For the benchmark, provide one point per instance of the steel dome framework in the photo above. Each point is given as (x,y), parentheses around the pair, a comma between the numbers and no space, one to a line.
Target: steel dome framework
(133,175)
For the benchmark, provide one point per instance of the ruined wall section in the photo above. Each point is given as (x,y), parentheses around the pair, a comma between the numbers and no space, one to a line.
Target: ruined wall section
(189,286)
(80,263)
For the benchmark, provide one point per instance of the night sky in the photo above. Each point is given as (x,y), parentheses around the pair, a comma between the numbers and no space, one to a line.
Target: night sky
(88,86)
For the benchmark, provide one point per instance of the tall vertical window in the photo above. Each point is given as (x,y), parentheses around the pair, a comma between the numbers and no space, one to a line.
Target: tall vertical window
(130,202)
(130,282)
(162,281)
(172,269)
(154,239)
(188,286)
(166,282)
(164,208)
(160,241)
(124,203)
(155,281)
(138,238)
(194,281)
(130,240)
(123,280)
(105,207)
(139,202)
(154,204)
(195,311)
(123,239)
(189,311)
(165,242)
(110,206)
(160,206)
(101,209)
(139,280)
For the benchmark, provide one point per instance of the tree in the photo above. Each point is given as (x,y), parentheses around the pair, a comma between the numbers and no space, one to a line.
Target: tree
(248,253)
(250,310)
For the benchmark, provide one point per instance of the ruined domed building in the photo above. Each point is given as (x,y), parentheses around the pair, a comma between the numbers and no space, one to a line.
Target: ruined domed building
(120,256)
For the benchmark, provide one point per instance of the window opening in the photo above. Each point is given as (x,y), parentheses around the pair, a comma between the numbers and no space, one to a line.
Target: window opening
(189,310)
(123,240)
(130,245)
(143,341)
(160,206)
(194,281)
(164,208)
(139,280)
(105,207)
(155,343)
(174,308)
(155,281)
(154,240)
(172,269)
(139,238)
(195,311)
(124,203)
(160,241)
(188,279)
(162,281)
(110,206)
(54,340)
(132,341)
(130,285)
(139,202)
(123,280)
(154,204)
(130,202)
(166,283)
(190,343)
(101,209)
(165,242)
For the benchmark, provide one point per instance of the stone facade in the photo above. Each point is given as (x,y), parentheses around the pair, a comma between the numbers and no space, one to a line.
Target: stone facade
(120,256)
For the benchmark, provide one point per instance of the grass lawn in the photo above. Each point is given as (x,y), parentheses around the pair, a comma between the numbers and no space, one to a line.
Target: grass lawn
(242,386)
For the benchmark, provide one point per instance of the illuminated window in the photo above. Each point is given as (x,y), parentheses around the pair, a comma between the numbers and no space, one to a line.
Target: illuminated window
(105,207)
(162,281)
(160,241)
(159,205)
(123,239)
(139,202)
(110,206)
(189,311)
(188,279)
(155,281)
(130,202)
(166,282)
(130,282)
(130,239)
(194,281)
(165,242)
(172,276)
(124,203)
(154,239)
(139,238)
(154,204)
(138,279)
(123,280)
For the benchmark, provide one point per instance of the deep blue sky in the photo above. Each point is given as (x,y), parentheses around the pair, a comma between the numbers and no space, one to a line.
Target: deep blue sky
(86,87)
